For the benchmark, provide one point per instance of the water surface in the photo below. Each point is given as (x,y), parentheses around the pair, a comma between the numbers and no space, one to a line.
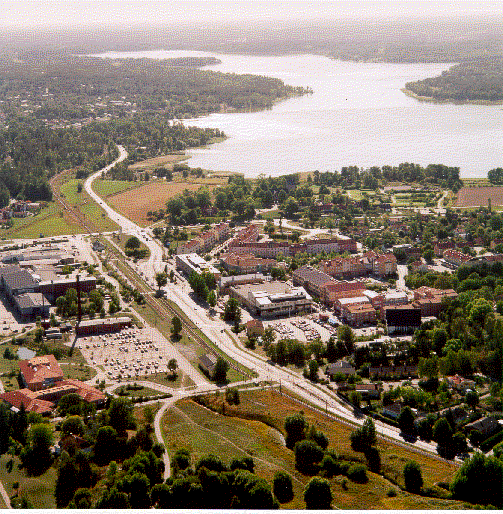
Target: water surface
(357,115)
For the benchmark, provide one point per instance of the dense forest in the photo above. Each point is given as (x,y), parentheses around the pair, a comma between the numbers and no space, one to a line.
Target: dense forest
(476,80)
(60,86)
(60,111)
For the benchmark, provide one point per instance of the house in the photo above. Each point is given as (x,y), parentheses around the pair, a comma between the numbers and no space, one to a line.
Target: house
(402,319)
(254,327)
(243,263)
(207,362)
(43,401)
(342,366)
(455,258)
(40,372)
(484,426)
(367,391)
(460,383)
(332,291)
(392,411)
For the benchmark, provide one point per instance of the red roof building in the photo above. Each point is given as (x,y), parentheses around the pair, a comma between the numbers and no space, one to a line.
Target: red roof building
(40,372)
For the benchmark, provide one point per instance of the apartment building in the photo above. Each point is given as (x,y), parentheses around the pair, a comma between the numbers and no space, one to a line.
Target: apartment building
(192,262)
(246,263)
(332,291)
(205,241)
(359,265)
(455,258)
(429,299)
(358,314)
(311,279)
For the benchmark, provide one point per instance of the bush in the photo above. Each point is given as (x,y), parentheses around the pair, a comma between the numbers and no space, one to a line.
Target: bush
(391,493)
(358,473)
(412,477)
(282,487)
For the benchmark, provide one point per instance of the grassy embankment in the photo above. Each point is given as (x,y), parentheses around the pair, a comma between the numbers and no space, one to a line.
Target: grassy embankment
(253,428)
(39,491)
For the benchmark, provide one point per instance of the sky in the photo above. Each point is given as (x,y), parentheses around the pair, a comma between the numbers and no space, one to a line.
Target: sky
(108,13)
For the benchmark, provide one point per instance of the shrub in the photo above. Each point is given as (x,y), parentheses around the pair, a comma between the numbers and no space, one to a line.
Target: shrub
(358,473)
(412,477)
(282,487)
(391,492)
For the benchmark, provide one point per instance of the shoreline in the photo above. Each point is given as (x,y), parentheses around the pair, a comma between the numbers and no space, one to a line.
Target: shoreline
(434,100)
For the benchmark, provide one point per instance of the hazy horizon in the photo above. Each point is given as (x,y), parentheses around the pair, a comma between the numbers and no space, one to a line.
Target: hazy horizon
(81,14)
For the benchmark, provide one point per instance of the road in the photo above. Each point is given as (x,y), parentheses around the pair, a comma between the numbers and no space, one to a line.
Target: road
(217,331)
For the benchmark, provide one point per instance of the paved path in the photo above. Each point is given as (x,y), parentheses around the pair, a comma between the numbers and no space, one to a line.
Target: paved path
(5,496)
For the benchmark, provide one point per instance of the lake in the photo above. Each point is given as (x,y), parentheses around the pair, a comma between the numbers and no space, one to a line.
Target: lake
(357,115)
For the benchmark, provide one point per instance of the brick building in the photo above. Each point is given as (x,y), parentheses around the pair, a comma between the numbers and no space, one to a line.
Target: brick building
(429,299)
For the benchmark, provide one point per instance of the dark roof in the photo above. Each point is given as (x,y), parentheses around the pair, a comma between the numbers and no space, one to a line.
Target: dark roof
(312,276)
(208,361)
(403,316)
(16,277)
(28,300)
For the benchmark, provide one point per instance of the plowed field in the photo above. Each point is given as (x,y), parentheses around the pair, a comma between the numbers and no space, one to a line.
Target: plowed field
(478,196)
(135,203)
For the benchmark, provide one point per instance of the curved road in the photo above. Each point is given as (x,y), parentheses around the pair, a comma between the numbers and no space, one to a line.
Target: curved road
(216,331)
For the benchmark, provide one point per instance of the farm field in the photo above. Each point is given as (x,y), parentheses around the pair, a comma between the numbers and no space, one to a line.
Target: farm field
(254,427)
(152,196)
(156,162)
(478,196)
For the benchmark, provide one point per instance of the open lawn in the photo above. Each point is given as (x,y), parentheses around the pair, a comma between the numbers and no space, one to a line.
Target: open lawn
(478,196)
(78,372)
(39,491)
(254,428)
(135,393)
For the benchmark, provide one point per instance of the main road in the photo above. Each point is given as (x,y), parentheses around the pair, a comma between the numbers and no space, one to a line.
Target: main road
(216,330)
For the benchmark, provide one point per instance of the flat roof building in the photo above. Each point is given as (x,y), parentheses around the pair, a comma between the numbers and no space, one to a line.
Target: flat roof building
(191,262)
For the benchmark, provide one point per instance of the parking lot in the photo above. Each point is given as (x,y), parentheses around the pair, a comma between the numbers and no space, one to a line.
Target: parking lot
(131,353)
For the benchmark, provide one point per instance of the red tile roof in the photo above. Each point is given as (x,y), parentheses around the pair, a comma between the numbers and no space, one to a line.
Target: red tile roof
(38,369)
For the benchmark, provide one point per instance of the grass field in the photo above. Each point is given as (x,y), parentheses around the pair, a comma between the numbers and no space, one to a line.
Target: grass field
(87,206)
(135,393)
(106,188)
(81,372)
(51,221)
(254,428)
(478,196)
(39,491)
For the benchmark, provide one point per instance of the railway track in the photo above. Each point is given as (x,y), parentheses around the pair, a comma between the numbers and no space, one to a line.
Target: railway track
(162,307)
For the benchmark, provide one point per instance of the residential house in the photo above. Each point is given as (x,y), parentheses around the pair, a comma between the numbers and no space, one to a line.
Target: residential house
(484,426)
(455,258)
(254,327)
(342,366)
(460,383)
(367,391)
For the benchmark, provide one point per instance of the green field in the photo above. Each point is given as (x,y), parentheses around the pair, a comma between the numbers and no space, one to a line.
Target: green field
(254,428)
(51,221)
(80,372)
(39,491)
(106,188)
(87,206)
